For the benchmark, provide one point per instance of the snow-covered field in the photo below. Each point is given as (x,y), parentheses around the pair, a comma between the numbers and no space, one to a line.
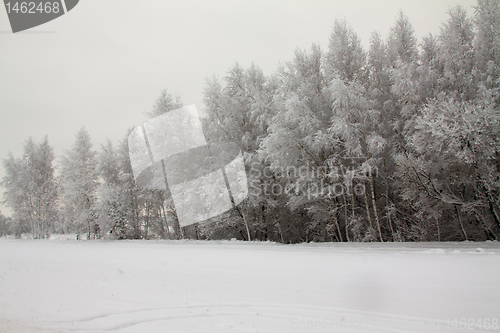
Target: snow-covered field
(195,286)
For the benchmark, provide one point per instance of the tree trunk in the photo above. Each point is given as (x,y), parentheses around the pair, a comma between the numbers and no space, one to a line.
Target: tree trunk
(345,216)
(337,226)
(245,222)
(324,230)
(460,222)
(437,226)
(375,208)
(367,207)
(485,227)
(147,221)
(278,225)
(493,212)
(163,219)
(389,220)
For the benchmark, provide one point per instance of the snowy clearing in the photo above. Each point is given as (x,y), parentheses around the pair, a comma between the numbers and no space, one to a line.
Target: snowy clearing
(196,286)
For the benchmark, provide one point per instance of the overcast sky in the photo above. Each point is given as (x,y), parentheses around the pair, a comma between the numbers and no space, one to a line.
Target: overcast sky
(103,64)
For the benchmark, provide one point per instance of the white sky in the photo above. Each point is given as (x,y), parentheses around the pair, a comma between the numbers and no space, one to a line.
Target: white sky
(103,64)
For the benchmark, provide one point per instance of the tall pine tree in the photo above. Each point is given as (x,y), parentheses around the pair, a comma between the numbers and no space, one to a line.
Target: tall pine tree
(79,182)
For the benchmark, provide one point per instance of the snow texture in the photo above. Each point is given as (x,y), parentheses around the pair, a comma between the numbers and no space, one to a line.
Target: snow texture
(62,285)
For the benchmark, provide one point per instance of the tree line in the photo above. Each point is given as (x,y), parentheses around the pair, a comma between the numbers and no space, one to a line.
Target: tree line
(399,142)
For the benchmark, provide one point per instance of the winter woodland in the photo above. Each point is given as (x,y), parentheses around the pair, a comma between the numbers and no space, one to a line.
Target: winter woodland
(396,143)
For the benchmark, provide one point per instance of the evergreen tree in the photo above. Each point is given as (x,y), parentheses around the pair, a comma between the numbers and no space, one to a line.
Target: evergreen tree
(487,42)
(164,103)
(402,44)
(457,55)
(79,182)
(345,54)
(378,70)
(130,193)
(5,225)
(111,204)
(159,202)
(31,190)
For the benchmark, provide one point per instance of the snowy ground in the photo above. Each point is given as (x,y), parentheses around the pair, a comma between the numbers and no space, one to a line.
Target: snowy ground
(191,286)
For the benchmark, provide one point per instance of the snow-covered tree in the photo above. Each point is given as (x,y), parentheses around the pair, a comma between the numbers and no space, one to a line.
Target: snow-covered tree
(378,70)
(31,190)
(411,124)
(403,54)
(402,43)
(453,173)
(457,55)
(130,192)
(111,203)
(164,103)
(296,141)
(345,54)
(159,203)
(79,183)
(354,125)
(238,110)
(5,225)
(487,42)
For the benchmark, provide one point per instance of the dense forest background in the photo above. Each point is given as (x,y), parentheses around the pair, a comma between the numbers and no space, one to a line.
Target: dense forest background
(399,142)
